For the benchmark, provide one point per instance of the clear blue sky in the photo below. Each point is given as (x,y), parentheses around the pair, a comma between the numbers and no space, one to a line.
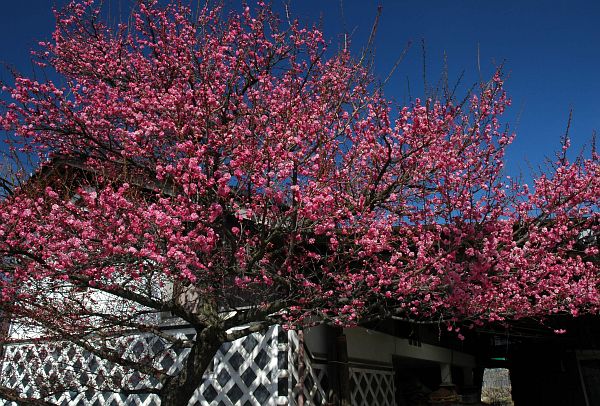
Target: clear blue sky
(550,49)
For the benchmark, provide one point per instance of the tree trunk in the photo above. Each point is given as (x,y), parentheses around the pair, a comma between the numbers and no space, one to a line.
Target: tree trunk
(179,390)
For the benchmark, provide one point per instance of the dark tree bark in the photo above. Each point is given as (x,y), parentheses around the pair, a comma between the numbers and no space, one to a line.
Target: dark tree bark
(179,389)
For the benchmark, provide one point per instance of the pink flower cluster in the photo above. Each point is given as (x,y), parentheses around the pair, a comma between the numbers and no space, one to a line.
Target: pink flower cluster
(234,156)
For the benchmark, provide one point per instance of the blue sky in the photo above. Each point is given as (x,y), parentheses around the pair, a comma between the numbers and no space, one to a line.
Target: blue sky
(550,50)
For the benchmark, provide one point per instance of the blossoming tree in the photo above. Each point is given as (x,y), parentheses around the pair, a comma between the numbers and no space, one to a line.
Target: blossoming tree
(234,173)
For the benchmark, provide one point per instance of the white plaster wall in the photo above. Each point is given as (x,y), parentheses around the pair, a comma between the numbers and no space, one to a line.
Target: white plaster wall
(372,346)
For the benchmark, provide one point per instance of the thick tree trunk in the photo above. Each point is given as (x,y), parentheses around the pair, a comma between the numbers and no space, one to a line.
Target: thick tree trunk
(179,390)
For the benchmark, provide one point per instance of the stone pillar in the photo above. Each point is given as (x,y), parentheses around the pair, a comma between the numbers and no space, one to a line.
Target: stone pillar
(446,374)
(446,394)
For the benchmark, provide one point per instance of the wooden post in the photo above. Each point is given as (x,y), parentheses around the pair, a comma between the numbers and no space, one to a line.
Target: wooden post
(338,371)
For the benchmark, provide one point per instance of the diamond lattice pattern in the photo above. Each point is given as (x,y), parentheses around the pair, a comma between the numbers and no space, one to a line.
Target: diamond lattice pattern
(244,372)
(372,387)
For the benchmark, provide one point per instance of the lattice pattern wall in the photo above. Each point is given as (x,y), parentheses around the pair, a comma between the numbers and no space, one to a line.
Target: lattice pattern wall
(312,376)
(372,387)
(244,372)
(85,379)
